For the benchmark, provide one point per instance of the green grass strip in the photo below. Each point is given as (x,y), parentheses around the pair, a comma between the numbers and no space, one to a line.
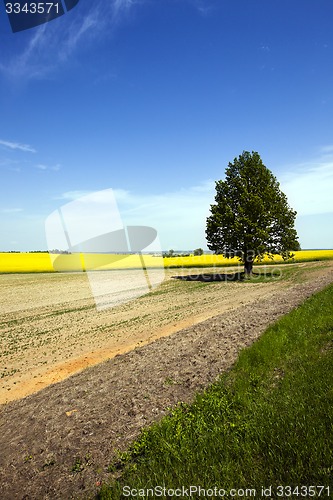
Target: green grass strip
(268,421)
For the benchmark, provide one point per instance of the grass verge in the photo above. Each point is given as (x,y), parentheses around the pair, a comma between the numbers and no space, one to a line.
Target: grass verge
(267,422)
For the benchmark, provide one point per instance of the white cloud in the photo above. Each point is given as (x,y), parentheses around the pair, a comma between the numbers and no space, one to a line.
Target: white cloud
(96,196)
(179,216)
(42,166)
(72,195)
(328,149)
(17,146)
(11,210)
(309,187)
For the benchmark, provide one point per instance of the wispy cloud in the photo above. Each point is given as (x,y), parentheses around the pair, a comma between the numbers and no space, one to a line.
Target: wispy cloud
(17,146)
(43,167)
(121,6)
(83,27)
(204,7)
(328,149)
(72,195)
(46,47)
(11,210)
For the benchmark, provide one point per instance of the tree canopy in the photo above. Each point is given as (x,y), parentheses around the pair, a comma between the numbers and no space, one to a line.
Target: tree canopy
(198,251)
(251,216)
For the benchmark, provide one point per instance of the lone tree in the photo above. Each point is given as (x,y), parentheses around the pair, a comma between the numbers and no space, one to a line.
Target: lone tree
(251,216)
(198,251)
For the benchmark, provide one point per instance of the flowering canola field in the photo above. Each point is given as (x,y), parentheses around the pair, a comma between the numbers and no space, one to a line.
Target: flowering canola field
(45,262)
(219,260)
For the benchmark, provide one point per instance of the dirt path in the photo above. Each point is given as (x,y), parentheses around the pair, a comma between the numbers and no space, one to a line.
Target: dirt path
(57,443)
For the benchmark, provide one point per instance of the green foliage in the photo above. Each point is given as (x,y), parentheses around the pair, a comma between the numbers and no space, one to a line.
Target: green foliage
(268,421)
(198,251)
(172,253)
(251,216)
(78,465)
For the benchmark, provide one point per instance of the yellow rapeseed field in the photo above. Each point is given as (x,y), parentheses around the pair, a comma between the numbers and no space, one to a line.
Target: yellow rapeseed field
(25,262)
(219,260)
(45,262)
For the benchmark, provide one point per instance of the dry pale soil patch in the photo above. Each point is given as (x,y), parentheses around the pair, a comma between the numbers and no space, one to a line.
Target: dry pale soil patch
(57,443)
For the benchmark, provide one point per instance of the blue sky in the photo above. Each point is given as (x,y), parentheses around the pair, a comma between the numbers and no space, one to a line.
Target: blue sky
(153,98)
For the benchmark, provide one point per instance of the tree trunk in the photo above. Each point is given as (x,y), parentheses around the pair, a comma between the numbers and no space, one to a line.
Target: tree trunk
(248,265)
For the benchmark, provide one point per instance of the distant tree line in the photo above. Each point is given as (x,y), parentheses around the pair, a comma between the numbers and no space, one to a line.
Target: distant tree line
(59,251)
(172,253)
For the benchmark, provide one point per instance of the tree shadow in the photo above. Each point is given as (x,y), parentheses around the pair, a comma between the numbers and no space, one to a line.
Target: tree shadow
(210,277)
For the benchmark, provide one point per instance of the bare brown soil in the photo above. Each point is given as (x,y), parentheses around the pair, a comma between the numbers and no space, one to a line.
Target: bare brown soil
(51,329)
(160,349)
